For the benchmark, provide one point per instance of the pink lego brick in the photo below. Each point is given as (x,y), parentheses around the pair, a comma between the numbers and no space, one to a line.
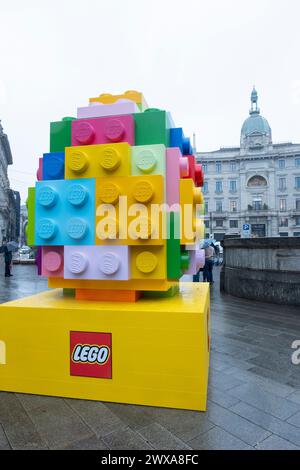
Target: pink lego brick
(197,260)
(104,130)
(53,261)
(97,262)
(39,173)
(103,110)
(177,167)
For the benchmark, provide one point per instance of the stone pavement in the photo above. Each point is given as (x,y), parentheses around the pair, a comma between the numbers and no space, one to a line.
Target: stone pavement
(254,392)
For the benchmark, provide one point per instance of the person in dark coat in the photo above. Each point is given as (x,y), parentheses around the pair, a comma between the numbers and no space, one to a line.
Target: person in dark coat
(7,259)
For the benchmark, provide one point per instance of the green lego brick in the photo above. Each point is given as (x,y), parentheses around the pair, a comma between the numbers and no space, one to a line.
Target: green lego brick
(69,292)
(174,290)
(152,127)
(31,216)
(177,260)
(60,134)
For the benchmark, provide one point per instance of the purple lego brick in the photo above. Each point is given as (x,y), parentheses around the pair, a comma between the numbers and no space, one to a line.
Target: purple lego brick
(97,262)
(102,110)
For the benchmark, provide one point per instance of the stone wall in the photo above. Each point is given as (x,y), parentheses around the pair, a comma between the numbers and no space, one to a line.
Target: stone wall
(265,269)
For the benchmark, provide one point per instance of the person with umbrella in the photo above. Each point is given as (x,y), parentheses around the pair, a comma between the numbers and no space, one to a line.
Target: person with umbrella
(7,249)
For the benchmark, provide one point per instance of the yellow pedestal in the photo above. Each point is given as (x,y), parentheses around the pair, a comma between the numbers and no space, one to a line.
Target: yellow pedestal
(157,355)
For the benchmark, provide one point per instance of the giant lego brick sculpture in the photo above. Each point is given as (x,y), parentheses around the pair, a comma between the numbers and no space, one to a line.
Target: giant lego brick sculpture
(116,212)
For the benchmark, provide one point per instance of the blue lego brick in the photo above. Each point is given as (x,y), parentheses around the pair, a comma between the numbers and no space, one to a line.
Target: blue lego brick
(65,212)
(54,166)
(177,139)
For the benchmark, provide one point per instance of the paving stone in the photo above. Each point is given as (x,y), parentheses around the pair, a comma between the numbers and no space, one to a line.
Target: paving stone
(58,425)
(4,444)
(133,416)
(276,443)
(92,443)
(295,420)
(19,429)
(221,398)
(236,425)
(183,424)
(218,439)
(223,381)
(160,438)
(268,422)
(294,397)
(96,416)
(264,400)
(125,439)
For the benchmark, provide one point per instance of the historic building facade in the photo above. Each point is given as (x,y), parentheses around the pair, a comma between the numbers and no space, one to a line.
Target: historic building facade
(257,183)
(9,199)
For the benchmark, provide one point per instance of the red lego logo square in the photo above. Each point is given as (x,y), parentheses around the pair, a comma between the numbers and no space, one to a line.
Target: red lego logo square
(91,354)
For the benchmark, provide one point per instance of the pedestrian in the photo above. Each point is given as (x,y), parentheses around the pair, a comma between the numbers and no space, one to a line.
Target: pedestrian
(7,259)
(209,264)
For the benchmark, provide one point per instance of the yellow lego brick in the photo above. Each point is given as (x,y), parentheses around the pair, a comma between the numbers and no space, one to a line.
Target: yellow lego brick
(93,161)
(192,229)
(129,219)
(160,285)
(132,95)
(148,262)
(158,351)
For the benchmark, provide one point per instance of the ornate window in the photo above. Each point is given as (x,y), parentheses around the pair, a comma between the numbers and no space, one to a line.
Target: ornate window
(257,181)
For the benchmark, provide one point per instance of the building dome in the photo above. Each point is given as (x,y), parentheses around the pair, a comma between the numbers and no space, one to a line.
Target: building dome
(256,131)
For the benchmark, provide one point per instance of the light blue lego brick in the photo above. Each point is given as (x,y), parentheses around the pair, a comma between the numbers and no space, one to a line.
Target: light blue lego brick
(65,212)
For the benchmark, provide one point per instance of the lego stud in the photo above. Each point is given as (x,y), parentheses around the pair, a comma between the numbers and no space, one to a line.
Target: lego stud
(184,167)
(77,228)
(185,260)
(143,191)
(47,196)
(109,193)
(146,262)
(78,161)
(198,196)
(55,167)
(186,145)
(52,261)
(77,195)
(146,161)
(114,130)
(109,159)
(46,229)
(199,175)
(77,263)
(83,132)
(109,263)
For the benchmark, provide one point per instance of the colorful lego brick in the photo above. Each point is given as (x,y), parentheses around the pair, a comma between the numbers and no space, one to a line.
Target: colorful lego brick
(39,173)
(94,161)
(97,262)
(177,139)
(197,260)
(65,212)
(159,349)
(96,110)
(131,95)
(54,166)
(177,167)
(195,171)
(108,295)
(174,290)
(192,228)
(177,260)
(53,261)
(31,217)
(106,130)
(69,292)
(152,127)
(148,262)
(130,217)
(133,284)
(60,134)
(148,159)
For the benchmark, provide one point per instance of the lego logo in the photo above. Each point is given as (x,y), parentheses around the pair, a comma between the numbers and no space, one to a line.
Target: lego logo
(87,354)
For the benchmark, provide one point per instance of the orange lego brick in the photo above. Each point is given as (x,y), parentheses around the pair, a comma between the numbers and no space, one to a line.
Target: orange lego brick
(108,295)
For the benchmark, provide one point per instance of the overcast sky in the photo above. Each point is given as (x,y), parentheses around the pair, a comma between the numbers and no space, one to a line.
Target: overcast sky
(198,59)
